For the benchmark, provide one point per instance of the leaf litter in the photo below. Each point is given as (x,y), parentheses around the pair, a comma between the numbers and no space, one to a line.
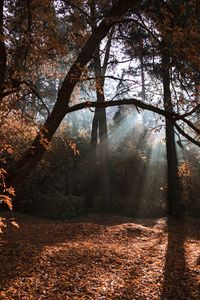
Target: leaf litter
(100,257)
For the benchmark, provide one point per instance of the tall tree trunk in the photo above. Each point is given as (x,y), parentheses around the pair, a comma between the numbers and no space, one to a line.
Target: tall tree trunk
(143,92)
(99,126)
(103,135)
(2,52)
(173,193)
(92,167)
(104,170)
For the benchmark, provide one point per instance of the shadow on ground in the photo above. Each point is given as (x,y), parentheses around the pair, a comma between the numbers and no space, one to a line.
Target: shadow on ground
(180,282)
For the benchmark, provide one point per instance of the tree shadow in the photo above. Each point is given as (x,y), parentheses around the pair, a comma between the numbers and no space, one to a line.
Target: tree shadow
(179,282)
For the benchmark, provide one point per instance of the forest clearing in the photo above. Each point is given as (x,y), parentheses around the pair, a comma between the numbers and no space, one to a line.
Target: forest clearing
(100,257)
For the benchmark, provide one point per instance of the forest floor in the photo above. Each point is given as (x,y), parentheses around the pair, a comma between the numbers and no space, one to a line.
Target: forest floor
(95,257)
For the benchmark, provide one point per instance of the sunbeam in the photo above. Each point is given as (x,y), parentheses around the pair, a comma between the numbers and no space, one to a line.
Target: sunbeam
(141,150)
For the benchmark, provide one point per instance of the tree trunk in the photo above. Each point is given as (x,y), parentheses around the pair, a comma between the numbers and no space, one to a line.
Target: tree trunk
(2,52)
(143,92)
(103,136)
(99,123)
(92,167)
(104,171)
(99,126)
(173,193)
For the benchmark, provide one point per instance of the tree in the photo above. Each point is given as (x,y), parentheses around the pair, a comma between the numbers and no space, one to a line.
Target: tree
(36,151)
(173,197)
(154,31)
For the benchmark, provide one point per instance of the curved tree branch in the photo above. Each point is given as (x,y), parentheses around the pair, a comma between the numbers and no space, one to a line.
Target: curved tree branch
(171,116)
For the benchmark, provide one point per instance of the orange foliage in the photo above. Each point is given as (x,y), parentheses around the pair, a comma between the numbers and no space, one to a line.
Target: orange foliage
(16,134)
(184,169)
(73,146)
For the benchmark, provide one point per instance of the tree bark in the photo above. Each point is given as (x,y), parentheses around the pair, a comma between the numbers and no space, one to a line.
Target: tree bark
(92,167)
(173,192)
(143,91)
(2,52)
(103,136)
(99,126)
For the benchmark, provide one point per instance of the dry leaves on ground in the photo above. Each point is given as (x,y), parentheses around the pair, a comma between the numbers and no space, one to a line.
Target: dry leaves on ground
(95,257)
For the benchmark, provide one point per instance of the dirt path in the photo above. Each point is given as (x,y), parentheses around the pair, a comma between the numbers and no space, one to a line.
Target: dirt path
(98,257)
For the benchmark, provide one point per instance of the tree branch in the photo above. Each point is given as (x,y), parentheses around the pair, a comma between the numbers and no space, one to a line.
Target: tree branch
(171,116)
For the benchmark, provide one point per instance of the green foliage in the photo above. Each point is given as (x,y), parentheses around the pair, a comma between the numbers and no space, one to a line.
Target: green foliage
(59,206)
